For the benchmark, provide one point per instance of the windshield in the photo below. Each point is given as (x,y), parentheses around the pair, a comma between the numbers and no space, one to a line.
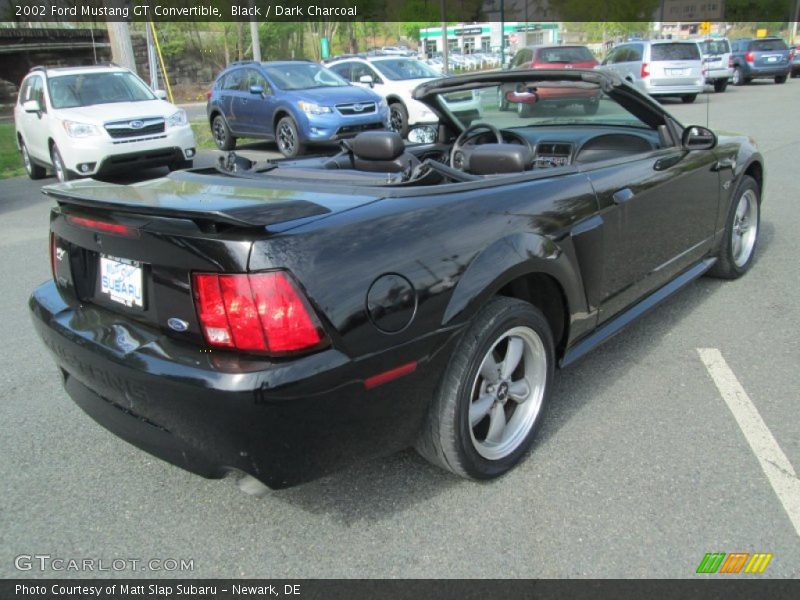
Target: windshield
(303,76)
(537,103)
(685,51)
(404,68)
(85,89)
(767,45)
(567,54)
(715,47)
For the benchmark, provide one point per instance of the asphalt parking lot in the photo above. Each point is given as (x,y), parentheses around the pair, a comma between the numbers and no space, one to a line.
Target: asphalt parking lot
(639,470)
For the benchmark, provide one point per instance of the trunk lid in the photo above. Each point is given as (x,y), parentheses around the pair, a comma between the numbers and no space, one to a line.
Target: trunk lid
(132,249)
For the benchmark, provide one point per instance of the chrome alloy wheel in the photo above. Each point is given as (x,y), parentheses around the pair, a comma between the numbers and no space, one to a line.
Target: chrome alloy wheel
(286,138)
(395,119)
(26,159)
(745,228)
(507,393)
(58,167)
(219,132)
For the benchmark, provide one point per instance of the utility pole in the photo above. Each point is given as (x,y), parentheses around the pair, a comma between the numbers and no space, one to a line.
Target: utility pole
(256,43)
(119,35)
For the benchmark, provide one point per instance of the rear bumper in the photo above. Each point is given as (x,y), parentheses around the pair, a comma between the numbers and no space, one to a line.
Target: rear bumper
(766,72)
(675,90)
(284,423)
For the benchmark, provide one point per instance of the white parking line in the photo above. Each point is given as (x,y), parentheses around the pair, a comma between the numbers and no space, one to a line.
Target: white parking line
(773,461)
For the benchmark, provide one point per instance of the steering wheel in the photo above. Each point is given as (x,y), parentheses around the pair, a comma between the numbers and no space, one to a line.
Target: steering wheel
(457,155)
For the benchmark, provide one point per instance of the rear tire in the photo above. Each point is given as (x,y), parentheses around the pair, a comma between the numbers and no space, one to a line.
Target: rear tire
(33,170)
(740,239)
(492,395)
(720,85)
(738,77)
(780,79)
(688,98)
(222,135)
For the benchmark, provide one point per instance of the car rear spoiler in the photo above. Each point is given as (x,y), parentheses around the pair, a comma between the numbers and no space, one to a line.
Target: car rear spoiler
(241,204)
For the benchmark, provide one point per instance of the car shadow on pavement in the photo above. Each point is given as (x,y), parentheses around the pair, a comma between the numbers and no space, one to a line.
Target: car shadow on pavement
(380,488)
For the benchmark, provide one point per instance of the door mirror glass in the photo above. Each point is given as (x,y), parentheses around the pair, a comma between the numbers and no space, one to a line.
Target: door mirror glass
(160,94)
(422,134)
(366,80)
(31,106)
(696,137)
(257,90)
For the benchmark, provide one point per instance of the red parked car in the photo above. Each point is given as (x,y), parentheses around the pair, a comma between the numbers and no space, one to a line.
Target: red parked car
(549,57)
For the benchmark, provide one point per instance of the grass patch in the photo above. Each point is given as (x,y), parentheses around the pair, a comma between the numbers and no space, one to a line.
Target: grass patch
(202,135)
(10,159)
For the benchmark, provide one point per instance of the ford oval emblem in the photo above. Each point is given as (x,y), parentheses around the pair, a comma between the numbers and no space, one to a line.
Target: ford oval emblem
(136,124)
(177,324)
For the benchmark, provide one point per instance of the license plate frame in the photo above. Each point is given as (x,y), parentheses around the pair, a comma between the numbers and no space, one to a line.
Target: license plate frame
(122,281)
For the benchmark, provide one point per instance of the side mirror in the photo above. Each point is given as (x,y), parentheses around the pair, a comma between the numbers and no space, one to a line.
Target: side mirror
(160,94)
(31,106)
(366,80)
(696,137)
(422,134)
(257,90)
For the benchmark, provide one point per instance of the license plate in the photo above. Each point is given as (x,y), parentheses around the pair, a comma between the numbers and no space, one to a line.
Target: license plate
(674,72)
(772,59)
(121,281)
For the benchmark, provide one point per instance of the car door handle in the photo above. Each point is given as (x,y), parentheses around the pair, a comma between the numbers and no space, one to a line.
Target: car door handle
(622,195)
(725,163)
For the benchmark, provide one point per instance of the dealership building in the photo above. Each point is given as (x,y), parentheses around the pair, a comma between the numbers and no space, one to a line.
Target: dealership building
(487,37)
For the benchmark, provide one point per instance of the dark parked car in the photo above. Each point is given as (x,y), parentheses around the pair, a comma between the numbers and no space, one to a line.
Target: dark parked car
(762,58)
(284,320)
(295,103)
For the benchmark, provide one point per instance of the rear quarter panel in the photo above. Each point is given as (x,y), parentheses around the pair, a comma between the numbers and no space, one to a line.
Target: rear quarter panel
(439,242)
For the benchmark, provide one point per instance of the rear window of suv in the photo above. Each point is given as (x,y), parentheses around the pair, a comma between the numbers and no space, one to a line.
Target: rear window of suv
(674,52)
(567,54)
(768,45)
(715,47)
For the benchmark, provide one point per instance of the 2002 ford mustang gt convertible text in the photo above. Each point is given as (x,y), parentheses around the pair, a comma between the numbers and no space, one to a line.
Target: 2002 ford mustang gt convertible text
(286,319)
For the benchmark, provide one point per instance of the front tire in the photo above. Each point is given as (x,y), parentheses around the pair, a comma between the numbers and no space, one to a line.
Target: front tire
(61,172)
(398,119)
(688,98)
(33,170)
(288,139)
(491,397)
(223,137)
(741,232)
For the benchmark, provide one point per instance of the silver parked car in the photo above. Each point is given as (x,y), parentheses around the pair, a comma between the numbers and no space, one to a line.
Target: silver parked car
(717,62)
(659,67)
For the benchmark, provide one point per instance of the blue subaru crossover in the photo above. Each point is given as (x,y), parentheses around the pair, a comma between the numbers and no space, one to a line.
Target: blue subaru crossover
(295,103)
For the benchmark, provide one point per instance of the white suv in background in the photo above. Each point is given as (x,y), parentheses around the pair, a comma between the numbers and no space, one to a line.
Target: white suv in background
(83,121)
(395,77)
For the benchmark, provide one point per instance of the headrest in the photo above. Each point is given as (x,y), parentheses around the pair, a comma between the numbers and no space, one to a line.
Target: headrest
(492,159)
(377,145)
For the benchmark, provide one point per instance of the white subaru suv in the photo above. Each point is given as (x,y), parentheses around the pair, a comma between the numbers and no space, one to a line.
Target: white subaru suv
(395,77)
(84,121)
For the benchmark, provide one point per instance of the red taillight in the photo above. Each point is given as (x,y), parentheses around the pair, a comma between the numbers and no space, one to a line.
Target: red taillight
(645,72)
(749,57)
(53,249)
(104,226)
(208,95)
(261,312)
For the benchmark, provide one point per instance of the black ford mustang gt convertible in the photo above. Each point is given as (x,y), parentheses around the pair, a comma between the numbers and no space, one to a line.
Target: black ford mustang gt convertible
(286,319)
